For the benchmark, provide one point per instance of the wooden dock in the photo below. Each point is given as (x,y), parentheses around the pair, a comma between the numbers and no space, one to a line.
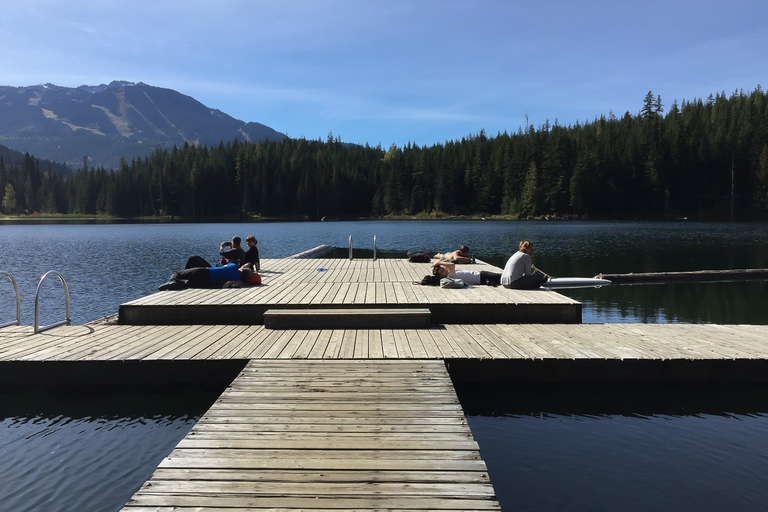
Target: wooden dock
(327,435)
(360,284)
(451,342)
(331,417)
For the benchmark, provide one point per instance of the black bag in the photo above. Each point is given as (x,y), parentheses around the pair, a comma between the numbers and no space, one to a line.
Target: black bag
(419,258)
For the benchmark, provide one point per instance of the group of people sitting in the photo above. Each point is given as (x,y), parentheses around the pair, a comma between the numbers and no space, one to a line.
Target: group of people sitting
(231,252)
(519,272)
(236,268)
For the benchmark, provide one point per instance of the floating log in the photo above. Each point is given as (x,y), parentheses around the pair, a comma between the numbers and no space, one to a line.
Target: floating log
(697,275)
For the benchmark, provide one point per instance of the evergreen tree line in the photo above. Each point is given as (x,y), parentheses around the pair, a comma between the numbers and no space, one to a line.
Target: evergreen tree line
(703,158)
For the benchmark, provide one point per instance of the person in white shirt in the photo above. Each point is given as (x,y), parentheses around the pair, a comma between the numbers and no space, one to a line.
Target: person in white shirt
(519,272)
(441,269)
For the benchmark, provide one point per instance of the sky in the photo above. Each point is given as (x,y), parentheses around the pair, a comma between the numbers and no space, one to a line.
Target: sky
(396,72)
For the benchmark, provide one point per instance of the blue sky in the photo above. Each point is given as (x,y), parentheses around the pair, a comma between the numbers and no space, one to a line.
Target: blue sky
(395,72)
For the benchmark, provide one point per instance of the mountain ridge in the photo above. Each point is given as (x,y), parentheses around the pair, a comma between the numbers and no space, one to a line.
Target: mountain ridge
(108,121)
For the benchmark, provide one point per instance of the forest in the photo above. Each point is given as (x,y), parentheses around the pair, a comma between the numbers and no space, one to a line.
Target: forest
(702,159)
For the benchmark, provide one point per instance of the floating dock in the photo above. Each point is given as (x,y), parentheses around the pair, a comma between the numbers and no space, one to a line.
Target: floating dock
(343,284)
(342,399)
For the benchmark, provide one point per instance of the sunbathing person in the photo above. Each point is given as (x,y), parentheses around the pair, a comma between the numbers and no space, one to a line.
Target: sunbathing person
(460,255)
(441,269)
(228,276)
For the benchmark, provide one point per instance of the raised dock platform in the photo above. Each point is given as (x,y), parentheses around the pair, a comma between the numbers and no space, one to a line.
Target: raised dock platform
(359,284)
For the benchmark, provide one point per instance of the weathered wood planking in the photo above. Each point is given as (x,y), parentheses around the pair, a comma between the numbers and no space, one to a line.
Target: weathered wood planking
(330,283)
(330,435)
(451,341)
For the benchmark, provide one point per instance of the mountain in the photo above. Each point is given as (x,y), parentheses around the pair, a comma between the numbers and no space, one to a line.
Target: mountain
(106,122)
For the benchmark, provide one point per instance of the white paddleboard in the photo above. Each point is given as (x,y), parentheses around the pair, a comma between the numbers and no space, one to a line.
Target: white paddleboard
(575,282)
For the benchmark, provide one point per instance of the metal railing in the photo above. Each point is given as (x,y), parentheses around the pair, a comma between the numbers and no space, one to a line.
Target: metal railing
(18,301)
(374,247)
(67,320)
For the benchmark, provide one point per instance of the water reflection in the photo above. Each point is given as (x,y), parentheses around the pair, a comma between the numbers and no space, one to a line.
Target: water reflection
(106,265)
(68,449)
(737,302)
(679,448)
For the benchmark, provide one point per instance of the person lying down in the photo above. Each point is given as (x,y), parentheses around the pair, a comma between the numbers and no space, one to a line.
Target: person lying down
(198,273)
(441,269)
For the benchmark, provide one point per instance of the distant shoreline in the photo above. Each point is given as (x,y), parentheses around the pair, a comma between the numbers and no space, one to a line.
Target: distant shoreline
(245,218)
(64,218)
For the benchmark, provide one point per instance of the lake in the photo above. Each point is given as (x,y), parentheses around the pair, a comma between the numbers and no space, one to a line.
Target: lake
(66,449)
(108,264)
(547,449)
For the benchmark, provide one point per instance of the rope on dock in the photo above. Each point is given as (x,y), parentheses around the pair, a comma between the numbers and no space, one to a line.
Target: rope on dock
(698,275)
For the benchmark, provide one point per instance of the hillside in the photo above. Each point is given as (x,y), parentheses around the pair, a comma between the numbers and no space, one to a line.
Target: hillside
(12,158)
(106,122)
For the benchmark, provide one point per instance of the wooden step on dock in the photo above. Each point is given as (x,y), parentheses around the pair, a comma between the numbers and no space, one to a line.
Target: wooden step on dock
(342,318)
(327,435)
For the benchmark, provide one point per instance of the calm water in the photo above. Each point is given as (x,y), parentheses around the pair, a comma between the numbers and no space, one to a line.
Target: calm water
(628,449)
(108,264)
(67,450)
(547,449)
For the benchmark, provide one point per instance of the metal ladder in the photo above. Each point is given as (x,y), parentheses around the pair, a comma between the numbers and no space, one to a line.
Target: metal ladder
(374,247)
(37,327)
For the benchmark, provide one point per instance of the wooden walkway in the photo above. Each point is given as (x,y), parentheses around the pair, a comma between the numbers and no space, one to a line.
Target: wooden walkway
(327,435)
(618,342)
(339,283)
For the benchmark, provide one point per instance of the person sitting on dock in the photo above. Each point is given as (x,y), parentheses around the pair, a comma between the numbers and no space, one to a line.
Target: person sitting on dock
(228,276)
(252,254)
(232,254)
(460,255)
(518,272)
(441,269)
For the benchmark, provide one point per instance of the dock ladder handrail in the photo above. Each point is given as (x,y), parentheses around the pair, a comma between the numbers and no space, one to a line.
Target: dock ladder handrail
(67,320)
(18,301)
(374,247)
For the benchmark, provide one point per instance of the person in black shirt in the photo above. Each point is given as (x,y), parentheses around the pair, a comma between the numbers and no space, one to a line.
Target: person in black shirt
(235,254)
(252,254)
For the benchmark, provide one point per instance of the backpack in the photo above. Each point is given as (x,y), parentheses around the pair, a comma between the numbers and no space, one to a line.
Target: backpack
(449,282)
(420,258)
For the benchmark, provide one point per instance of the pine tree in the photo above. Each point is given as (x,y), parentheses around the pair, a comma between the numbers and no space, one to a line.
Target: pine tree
(9,200)
(531,193)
